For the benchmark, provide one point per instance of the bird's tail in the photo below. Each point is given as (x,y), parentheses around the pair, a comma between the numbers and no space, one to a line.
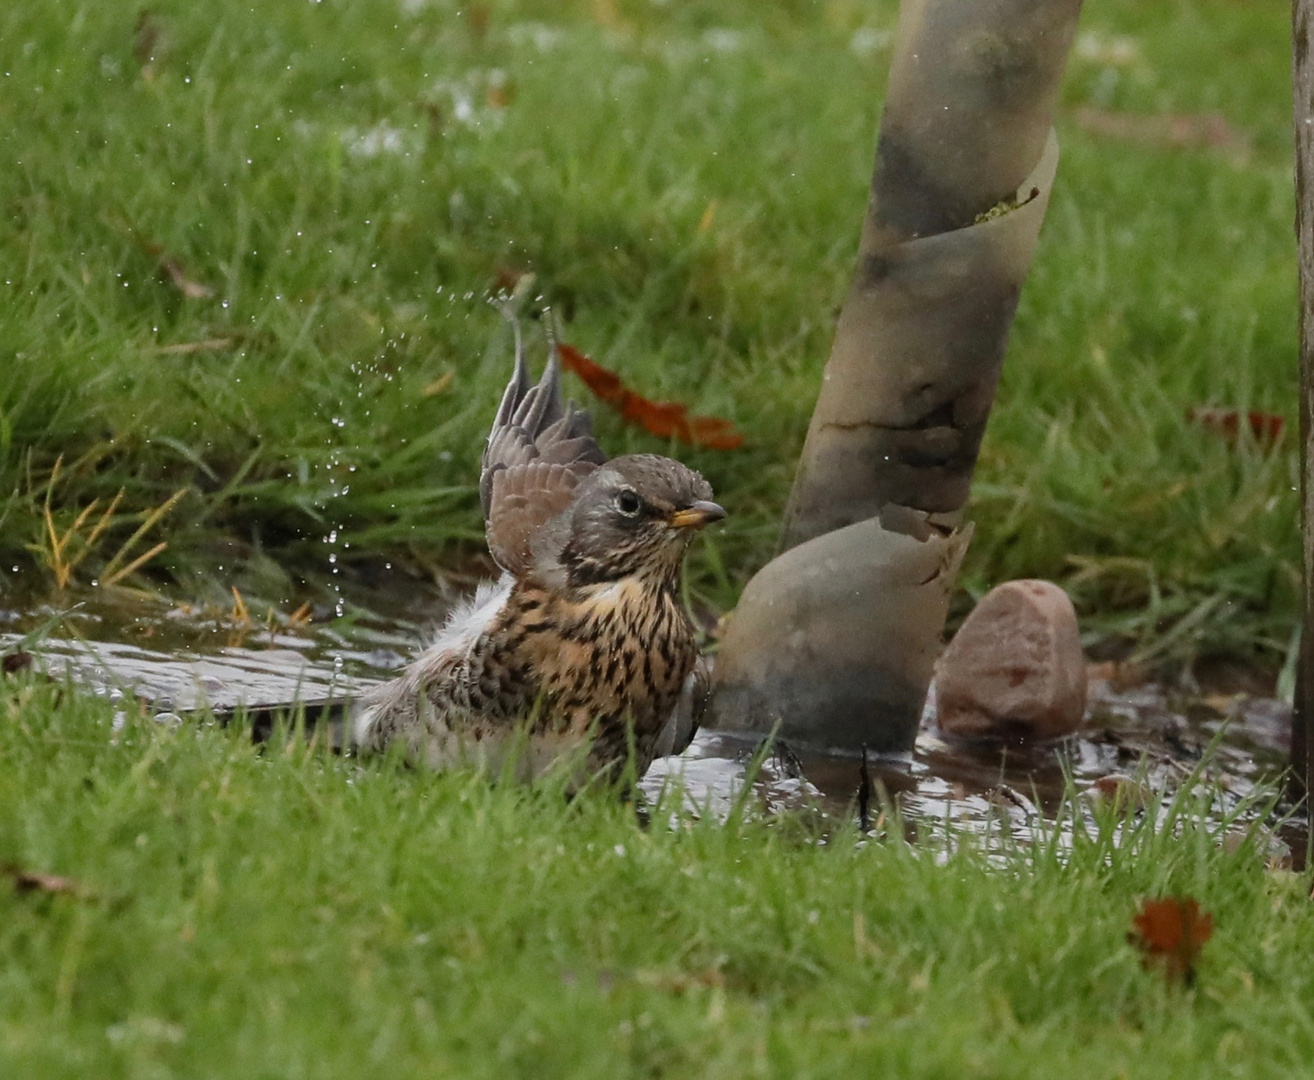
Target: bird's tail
(327,717)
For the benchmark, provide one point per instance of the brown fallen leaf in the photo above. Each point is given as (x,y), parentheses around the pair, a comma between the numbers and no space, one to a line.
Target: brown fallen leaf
(679,982)
(172,270)
(607,13)
(1121,675)
(16,661)
(1181,130)
(1170,934)
(437,116)
(500,94)
(185,348)
(709,216)
(479,17)
(439,384)
(301,617)
(1266,428)
(1122,792)
(28,881)
(666,419)
(507,278)
(147,38)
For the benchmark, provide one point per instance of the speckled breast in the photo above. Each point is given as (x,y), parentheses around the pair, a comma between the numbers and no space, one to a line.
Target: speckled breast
(620,654)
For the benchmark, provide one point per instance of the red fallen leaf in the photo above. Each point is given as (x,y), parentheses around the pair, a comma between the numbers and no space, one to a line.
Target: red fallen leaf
(1170,933)
(666,419)
(1266,428)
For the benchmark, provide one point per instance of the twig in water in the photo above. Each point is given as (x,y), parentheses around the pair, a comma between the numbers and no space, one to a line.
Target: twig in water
(864,794)
(786,762)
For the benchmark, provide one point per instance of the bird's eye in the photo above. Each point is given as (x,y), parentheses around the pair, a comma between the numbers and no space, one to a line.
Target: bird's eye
(628,503)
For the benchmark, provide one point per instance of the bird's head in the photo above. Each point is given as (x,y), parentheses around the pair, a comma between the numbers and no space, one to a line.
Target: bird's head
(635,516)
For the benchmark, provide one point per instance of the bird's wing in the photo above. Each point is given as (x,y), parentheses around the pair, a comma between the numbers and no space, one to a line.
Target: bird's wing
(537,453)
(687,717)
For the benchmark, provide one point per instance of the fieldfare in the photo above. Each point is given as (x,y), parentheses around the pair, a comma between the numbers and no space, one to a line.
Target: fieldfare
(585,640)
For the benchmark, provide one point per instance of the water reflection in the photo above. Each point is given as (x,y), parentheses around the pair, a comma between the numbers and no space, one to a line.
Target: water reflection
(1137,743)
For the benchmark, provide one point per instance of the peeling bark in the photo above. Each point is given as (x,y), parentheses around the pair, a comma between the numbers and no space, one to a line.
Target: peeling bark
(913,370)
(835,639)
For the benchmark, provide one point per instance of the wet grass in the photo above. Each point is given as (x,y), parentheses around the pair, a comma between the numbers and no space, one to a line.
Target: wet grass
(222,911)
(245,250)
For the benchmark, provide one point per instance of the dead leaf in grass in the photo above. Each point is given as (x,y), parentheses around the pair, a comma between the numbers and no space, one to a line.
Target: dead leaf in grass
(666,419)
(173,270)
(301,617)
(479,17)
(29,881)
(16,661)
(1122,792)
(1266,428)
(500,93)
(1170,934)
(506,279)
(709,216)
(146,43)
(186,348)
(679,982)
(1180,130)
(1121,675)
(439,384)
(607,13)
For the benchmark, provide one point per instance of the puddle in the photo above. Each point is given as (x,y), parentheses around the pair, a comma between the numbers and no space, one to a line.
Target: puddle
(1135,741)
(1133,745)
(179,657)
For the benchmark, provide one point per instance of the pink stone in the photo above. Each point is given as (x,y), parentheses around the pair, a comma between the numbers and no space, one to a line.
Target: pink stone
(1015,669)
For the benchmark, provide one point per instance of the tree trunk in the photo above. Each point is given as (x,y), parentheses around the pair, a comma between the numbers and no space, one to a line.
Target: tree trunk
(1302,40)
(835,639)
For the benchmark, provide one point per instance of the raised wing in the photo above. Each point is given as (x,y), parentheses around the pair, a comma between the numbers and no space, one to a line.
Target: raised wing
(538,451)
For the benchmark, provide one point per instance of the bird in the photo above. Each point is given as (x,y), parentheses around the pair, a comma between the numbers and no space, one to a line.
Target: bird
(583,648)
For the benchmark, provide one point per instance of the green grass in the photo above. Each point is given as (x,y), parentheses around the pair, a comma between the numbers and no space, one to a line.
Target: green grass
(690,200)
(687,182)
(286,913)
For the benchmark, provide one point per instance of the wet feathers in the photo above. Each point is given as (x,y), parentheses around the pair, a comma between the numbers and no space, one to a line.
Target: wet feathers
(584,643)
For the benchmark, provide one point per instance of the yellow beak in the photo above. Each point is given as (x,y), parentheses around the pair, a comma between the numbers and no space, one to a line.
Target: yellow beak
(696,516)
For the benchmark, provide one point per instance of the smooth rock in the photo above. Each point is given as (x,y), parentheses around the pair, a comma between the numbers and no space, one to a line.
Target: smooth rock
(1015,669)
